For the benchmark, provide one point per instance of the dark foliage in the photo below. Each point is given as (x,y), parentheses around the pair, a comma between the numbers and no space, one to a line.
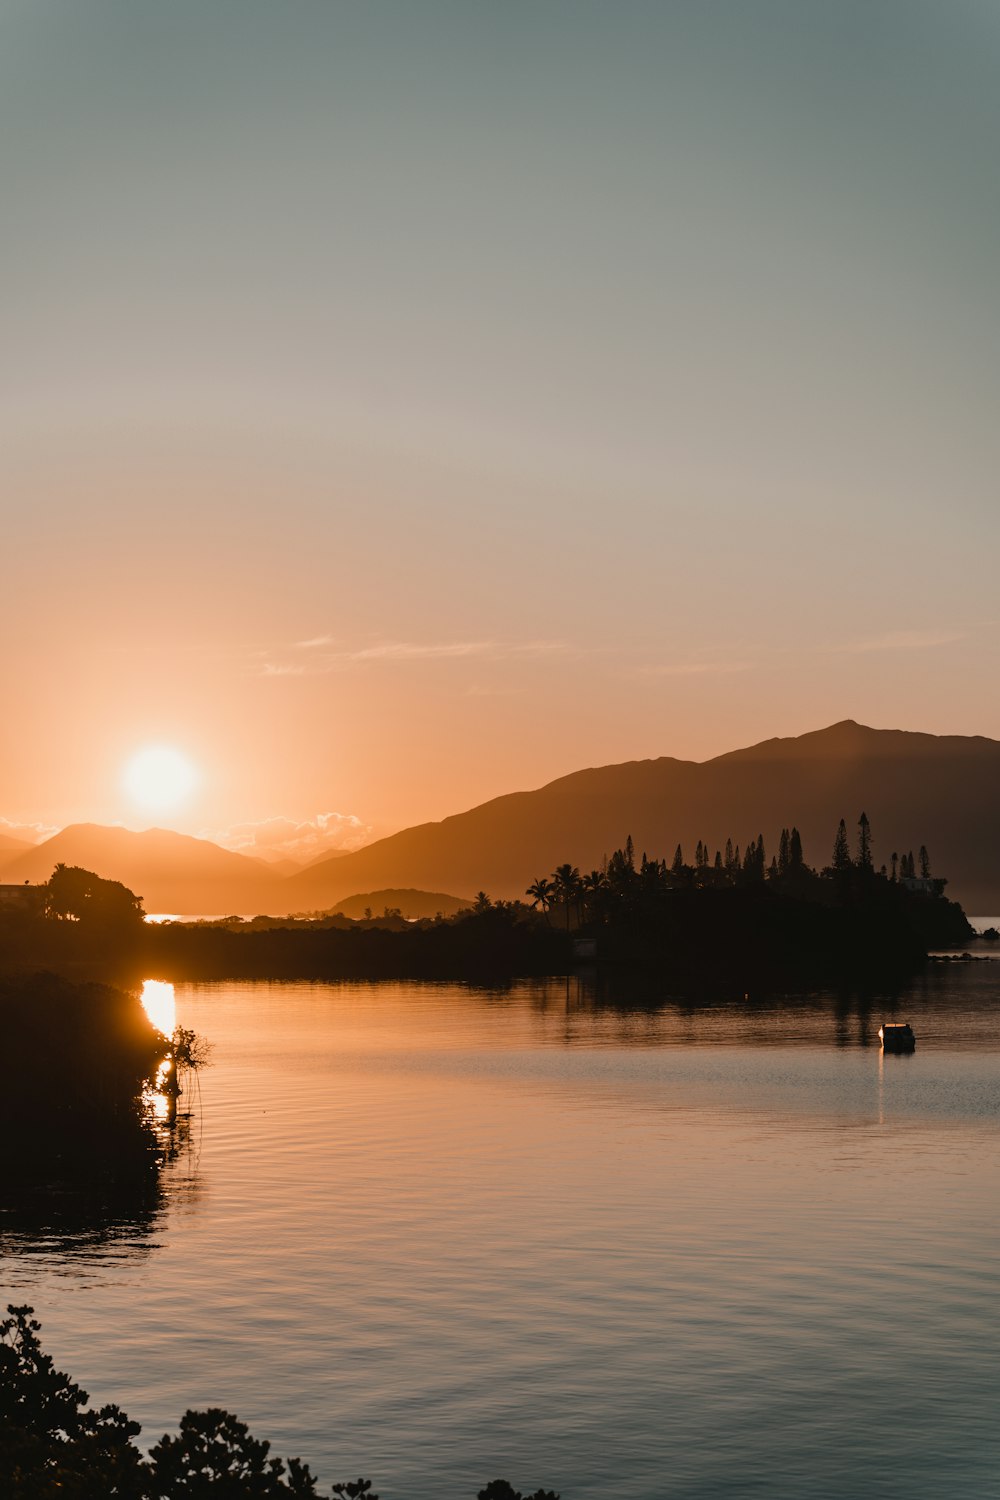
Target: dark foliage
(500,1489)
(53,1448)
(81,1159)
(499,939)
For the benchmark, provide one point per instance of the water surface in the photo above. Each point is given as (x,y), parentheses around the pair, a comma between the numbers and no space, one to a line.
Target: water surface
(435,1234)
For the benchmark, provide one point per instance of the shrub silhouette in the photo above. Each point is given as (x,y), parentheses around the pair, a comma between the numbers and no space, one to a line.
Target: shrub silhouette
(53,1448)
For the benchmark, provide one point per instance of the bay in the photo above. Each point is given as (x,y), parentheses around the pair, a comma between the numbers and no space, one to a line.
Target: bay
(436,1234)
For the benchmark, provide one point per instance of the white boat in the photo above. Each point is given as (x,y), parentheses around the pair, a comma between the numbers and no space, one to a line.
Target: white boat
(897,1036)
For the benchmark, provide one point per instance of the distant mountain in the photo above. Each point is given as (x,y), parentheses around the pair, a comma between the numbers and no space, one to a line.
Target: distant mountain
(170,871)
(10,848)
(410,903)
(942,791)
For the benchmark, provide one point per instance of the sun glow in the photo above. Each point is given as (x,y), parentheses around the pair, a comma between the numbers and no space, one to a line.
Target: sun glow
(159,778)
(159,1004)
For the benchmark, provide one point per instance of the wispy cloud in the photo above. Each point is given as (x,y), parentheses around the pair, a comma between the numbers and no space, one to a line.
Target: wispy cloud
(28,833)
(282,669)
(290,838)
(422,651)
(693,668)
(906,640)
(323,655)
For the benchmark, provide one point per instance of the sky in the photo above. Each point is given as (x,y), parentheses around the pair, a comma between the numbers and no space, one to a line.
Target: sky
(402,404)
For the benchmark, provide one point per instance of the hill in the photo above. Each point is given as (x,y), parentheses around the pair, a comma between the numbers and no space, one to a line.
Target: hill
(170,871)
(412,904)
(942,791)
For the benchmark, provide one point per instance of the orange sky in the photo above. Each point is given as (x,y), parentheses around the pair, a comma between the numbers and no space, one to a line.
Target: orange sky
(394,416)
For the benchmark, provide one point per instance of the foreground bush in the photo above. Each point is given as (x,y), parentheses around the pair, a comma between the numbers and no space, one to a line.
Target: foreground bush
(53,1448)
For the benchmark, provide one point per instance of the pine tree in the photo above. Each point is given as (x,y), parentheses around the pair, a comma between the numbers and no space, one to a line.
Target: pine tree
(864,843)
(677,867)
(630,853)
(841,852)
(925,863)
(718,859)
(729,854)
(784,854)
(894,860)
(795,860)
(773,870)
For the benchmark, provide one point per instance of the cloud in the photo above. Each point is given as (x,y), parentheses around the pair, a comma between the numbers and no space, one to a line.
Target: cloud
(693,668)
(422,651)
(28,833)
(290,838)
(323,658)
(907,640)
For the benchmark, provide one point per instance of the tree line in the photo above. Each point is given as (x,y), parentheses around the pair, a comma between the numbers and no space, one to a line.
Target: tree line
(622,877)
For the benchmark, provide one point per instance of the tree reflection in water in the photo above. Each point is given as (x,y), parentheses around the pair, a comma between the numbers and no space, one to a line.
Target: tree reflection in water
(90,1151)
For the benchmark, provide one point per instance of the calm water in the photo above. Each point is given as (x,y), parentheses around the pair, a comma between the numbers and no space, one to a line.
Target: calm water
(437,1235)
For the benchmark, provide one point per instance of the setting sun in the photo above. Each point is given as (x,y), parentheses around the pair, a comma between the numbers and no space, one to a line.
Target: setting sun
(159,778)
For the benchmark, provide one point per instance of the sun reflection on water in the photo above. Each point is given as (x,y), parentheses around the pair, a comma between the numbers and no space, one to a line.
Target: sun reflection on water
(160,1005)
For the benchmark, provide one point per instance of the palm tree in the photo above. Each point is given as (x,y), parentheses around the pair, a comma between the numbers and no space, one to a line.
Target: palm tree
(592,885)
(540,892)
(567,886)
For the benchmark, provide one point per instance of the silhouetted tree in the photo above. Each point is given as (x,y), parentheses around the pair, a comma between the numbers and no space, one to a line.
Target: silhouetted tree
(795,860)
(864,844)
(566,879)
(677,868)
(894,858)
(50,1445)
(500,1489)
(841,849)
(540,891)
(214,1455)
(53,1448)
(593,886)
(925,863)
(76,895)
(784,854)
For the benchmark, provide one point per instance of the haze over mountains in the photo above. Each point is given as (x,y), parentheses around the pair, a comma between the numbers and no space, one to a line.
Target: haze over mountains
(171,871)
(9,846)
(942,791)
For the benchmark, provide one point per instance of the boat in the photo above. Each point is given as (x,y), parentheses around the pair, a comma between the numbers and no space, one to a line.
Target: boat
(897,1036)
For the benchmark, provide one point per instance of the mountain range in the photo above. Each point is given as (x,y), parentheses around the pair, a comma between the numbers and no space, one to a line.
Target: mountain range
(172,872)
(941,791)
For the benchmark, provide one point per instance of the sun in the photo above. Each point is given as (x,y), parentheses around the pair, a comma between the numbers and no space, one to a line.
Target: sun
(159,778)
